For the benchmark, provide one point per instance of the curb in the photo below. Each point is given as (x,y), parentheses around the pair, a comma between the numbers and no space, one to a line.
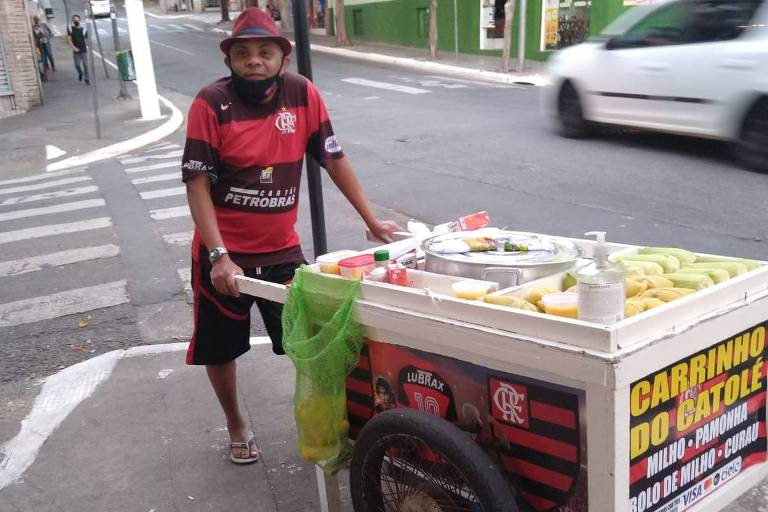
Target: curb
(536,80)
(126,146)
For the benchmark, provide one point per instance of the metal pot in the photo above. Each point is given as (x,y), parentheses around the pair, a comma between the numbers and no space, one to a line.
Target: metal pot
(506,268)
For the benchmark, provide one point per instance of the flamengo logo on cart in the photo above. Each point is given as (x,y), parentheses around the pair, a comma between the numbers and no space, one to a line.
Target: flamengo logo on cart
(510,402)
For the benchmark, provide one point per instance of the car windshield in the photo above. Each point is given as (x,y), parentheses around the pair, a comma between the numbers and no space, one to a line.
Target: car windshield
(626,21)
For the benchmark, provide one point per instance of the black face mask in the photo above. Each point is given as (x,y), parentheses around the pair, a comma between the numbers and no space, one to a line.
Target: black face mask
(254,91)
(77,23)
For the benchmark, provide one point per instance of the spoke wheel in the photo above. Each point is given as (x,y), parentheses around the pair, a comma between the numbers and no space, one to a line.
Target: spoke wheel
(752,148)
(571,113)
(408,461)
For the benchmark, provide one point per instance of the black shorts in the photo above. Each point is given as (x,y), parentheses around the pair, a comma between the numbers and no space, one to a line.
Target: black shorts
(223,323)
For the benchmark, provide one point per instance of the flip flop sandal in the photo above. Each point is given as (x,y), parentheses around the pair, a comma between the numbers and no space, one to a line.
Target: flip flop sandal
(247,446)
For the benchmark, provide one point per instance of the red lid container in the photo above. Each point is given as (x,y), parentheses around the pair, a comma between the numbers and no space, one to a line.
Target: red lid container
(360,260)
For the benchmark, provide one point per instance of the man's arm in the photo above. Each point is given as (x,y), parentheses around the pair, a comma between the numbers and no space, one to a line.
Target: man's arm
(344,177)
(70,43)
(204,215)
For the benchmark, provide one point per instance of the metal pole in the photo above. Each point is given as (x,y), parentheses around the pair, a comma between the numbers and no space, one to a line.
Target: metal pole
(66,13)
(455,29)
(123,94)
(521,40)
(314,178)
(101,51)
(89,49)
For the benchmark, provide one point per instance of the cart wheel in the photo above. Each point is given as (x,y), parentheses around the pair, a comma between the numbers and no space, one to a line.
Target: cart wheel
(408,461)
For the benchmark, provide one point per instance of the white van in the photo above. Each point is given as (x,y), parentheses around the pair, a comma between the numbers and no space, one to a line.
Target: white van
(100,8)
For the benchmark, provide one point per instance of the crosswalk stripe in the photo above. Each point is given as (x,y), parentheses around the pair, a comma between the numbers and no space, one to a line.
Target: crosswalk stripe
(63,303)
(184,238)
(156,27)
(177,27)
(57,259)
(55,229)
(153,167)
(193,27)
(170,213)
(39,177)
(159,177)
(185,274)
(48,210)
(165,192)
(385,85)
(163,147)
(77,191)
(49,184)
(140,159)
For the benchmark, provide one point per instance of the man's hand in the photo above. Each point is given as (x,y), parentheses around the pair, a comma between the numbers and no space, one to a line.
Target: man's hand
(383,229)
(223,276)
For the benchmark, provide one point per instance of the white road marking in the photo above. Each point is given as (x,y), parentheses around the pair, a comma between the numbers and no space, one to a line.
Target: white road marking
(372,98)
(177,27)
(121,30)
(39,177)
(49,184)
(155,27)
(50,195)
(63,303)
(184,238)
(385,85)
(476,82)
(163,147)
(52,152)
(102,32)
(57,259)
(140,159)
(170,213)
(165,192)
(48,210)
(153,167)
(193,27)
(159,177)
(185,52)
(55,229)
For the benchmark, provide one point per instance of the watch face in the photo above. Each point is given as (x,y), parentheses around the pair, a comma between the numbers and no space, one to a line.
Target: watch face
(215,253)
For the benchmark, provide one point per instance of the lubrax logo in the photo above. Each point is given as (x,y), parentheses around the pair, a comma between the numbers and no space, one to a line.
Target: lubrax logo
(426,379)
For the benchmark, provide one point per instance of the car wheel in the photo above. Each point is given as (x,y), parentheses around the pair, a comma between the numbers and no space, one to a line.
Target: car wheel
(571,113)
(407,460)
(752,146)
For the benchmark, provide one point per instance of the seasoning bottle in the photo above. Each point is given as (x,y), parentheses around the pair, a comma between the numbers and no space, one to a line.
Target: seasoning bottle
(601,286)
(381,257)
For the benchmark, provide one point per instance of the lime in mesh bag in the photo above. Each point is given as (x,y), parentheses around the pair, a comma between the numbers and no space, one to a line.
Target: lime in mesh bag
(323,340)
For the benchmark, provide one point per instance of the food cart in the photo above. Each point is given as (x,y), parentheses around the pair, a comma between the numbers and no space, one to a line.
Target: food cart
(663,411)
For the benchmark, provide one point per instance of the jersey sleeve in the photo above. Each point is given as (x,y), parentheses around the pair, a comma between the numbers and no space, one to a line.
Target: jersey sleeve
(201,150)
(322,142)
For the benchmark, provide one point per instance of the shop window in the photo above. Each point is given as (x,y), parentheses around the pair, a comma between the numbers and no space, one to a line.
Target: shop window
(357,22)
(564,23)
(422,22)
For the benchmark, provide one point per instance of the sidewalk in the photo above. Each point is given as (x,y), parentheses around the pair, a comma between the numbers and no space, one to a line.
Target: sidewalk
(66,119)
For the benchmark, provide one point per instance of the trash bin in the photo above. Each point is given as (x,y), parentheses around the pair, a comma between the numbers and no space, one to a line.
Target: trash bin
(125,65)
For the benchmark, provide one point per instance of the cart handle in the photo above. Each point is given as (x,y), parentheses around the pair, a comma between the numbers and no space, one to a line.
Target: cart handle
(516,272)
(264,289)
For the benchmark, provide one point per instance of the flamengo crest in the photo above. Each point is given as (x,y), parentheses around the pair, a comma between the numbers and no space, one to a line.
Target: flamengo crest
(285,122)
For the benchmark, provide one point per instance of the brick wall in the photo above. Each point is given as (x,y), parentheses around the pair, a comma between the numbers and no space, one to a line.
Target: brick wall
(16,31)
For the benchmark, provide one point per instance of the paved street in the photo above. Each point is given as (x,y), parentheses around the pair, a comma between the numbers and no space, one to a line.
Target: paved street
(95,258)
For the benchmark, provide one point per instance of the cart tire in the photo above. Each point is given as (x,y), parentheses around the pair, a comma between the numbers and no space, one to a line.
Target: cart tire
(465,460)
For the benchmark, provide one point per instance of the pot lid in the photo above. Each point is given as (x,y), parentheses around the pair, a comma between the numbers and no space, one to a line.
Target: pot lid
(498,247)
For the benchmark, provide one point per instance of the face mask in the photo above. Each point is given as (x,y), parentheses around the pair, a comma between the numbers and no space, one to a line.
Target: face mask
(77,23)
(254,91)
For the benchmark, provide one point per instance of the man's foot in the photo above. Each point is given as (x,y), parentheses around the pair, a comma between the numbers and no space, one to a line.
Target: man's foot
(244,452)
(87,82)
(79,76)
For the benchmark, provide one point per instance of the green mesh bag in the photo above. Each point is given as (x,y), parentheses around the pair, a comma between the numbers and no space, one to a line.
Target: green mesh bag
(323,340)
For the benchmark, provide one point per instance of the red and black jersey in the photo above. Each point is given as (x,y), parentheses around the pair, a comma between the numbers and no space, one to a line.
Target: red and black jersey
(421,388)
(254,156)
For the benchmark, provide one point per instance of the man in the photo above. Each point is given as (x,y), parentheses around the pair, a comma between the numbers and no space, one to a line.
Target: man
(43,35)
(246,139)
(76,37)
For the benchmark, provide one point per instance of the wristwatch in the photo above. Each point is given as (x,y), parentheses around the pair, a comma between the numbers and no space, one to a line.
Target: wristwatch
(216,253)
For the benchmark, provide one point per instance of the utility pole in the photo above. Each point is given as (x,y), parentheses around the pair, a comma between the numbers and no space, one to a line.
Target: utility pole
(98,41)
(145,71)
(66,13)
(89,49)
(314,178)
(521,38)
(123,94)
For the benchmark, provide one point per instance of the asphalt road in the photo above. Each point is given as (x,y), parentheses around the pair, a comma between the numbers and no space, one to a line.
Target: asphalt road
(425,147)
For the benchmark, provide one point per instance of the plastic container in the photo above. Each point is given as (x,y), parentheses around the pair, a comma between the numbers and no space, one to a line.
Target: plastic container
(470,290)
(561,304)
(397,274)
(356,266)
(601,286)
(329,263)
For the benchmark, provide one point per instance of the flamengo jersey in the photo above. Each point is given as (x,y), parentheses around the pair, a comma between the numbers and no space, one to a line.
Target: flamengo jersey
(254,156)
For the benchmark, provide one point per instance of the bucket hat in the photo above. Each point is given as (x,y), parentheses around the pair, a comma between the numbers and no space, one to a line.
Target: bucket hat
(253,23)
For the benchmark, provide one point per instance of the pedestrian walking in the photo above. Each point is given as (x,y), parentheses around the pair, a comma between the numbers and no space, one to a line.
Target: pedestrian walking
(77,37)
(246,139)
(44,40)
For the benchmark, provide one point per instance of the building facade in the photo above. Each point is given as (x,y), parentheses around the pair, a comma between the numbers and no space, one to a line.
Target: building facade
(478,25)
(20,87)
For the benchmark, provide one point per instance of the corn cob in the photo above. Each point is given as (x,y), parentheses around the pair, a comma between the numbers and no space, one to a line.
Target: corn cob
(646,303)
(658,282)
(734,268)
(667,294)
(668,263)
(692,281)
(633,287)
(718,275)
(650,268)
(750,264)
(684,256)
(510,302)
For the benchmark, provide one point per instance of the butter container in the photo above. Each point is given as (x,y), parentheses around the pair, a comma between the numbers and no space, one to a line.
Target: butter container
(356,266)
(561,304)
(470,290)
(329,263)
